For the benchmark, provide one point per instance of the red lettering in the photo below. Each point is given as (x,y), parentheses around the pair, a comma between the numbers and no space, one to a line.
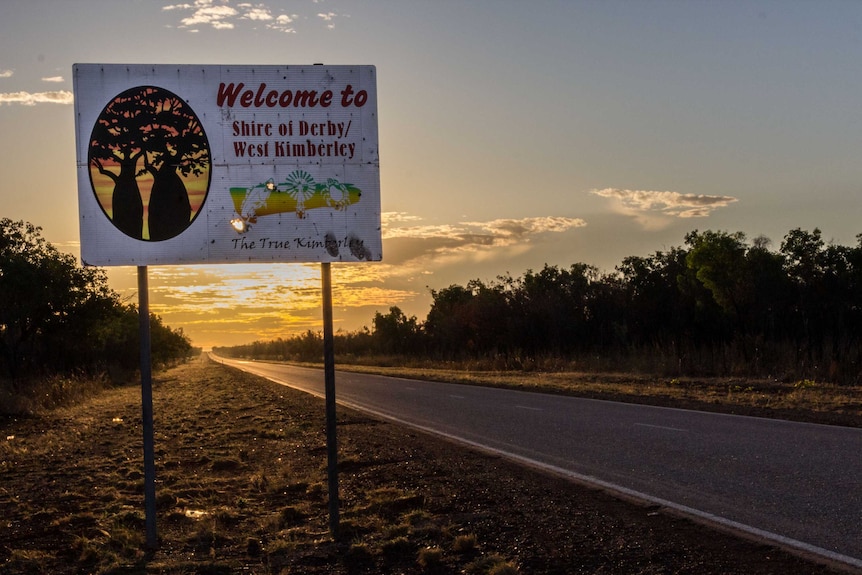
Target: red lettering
(271,98)
(305,98)
(228,93)
(258,99)
(231,94)
(348,99)
(346,94)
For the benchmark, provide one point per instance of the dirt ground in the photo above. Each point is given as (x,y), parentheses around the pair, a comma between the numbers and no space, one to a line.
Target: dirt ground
(241,488)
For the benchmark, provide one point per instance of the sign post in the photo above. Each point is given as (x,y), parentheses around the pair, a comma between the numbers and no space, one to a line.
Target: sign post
(329,388)
(183,164)
(147,409)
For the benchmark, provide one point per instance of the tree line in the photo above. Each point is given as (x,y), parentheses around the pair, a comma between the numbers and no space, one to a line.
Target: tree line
(720,305)
(57,317)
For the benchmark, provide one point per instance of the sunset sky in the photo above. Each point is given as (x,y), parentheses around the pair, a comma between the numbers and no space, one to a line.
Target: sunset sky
(511,134)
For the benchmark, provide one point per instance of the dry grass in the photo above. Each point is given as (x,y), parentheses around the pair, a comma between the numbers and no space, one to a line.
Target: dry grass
(803,400)
(241,488)
(241,483)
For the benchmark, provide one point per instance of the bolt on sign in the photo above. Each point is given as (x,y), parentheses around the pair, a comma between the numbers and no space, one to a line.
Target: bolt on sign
(182,164)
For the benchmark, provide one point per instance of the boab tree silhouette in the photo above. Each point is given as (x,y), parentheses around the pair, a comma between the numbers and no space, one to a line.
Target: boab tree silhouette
(115,144)
(149,130)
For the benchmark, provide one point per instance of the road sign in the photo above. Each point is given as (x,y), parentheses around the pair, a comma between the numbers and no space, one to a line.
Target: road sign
(182,164)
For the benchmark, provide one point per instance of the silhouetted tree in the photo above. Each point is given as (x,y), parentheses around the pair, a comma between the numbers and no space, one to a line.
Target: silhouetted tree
(394,332)
(449,325)
(149,130)
(118,139)
(176,144)
(59,317)
(719,305)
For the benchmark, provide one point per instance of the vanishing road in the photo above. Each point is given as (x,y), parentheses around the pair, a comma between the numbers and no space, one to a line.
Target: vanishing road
(794,483)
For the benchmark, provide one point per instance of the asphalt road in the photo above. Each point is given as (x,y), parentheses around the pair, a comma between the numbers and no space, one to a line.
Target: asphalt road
(794,483)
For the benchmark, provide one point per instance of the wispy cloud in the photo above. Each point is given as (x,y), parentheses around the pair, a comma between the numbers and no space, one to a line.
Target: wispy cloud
(206,13)
(33,98)
(284,23)
(223,15)
(500,231)
(329,18)
(54,79)
(466,241)
(255,12)
(254,301)
(654,209)
(260,301)
(6,73)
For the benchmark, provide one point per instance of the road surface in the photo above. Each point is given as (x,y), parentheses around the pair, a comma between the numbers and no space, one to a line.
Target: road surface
(797,484)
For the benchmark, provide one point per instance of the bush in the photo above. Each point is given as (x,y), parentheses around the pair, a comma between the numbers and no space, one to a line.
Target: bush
(59,318)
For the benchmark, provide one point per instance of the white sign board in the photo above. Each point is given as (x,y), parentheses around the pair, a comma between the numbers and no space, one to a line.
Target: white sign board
(227,164)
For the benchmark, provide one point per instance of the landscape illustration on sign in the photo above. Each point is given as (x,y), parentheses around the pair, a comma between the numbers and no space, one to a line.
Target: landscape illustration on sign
(298,193)
(149,162)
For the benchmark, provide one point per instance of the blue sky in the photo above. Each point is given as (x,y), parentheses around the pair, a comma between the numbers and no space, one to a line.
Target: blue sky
(512,134)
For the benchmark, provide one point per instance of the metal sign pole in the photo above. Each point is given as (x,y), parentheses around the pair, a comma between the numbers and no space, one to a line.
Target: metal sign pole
(329,380)
(147,408)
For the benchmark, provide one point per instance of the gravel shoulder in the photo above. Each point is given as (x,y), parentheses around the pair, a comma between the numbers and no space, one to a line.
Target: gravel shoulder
(241,488)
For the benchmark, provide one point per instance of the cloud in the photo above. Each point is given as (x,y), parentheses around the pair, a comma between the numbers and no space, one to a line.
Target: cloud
(392,218)
(502,230)
(284,23)
(207,13)
(466,241)
(54,79)
(221,15)
(246,302)
(259,12)
(240,303)
(6,73)
(654,209)
(511,228)
(329,18)
(31,99)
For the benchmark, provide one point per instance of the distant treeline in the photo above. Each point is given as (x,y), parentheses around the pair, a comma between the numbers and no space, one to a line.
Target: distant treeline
(57,317)
(717,306)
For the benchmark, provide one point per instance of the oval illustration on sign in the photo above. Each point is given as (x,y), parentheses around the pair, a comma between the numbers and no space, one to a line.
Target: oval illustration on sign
(150,164)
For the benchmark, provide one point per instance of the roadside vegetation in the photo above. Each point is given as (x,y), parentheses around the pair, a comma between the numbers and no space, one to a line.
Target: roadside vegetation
(241,488)
(63,332)
(721,323)
(241,461)
(719,306)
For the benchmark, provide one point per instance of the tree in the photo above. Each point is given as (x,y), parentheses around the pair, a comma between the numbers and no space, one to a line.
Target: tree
(148,130)
(394,332)
(718,262)
(449,325)
(58,317)
(177,143)
(827,295)
(655,306)
(116,147)
(42,290)
(552,308)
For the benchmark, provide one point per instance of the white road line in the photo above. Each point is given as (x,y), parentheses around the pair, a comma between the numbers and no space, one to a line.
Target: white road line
(456,396)
(529,408)
(612,487)
(661,427)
